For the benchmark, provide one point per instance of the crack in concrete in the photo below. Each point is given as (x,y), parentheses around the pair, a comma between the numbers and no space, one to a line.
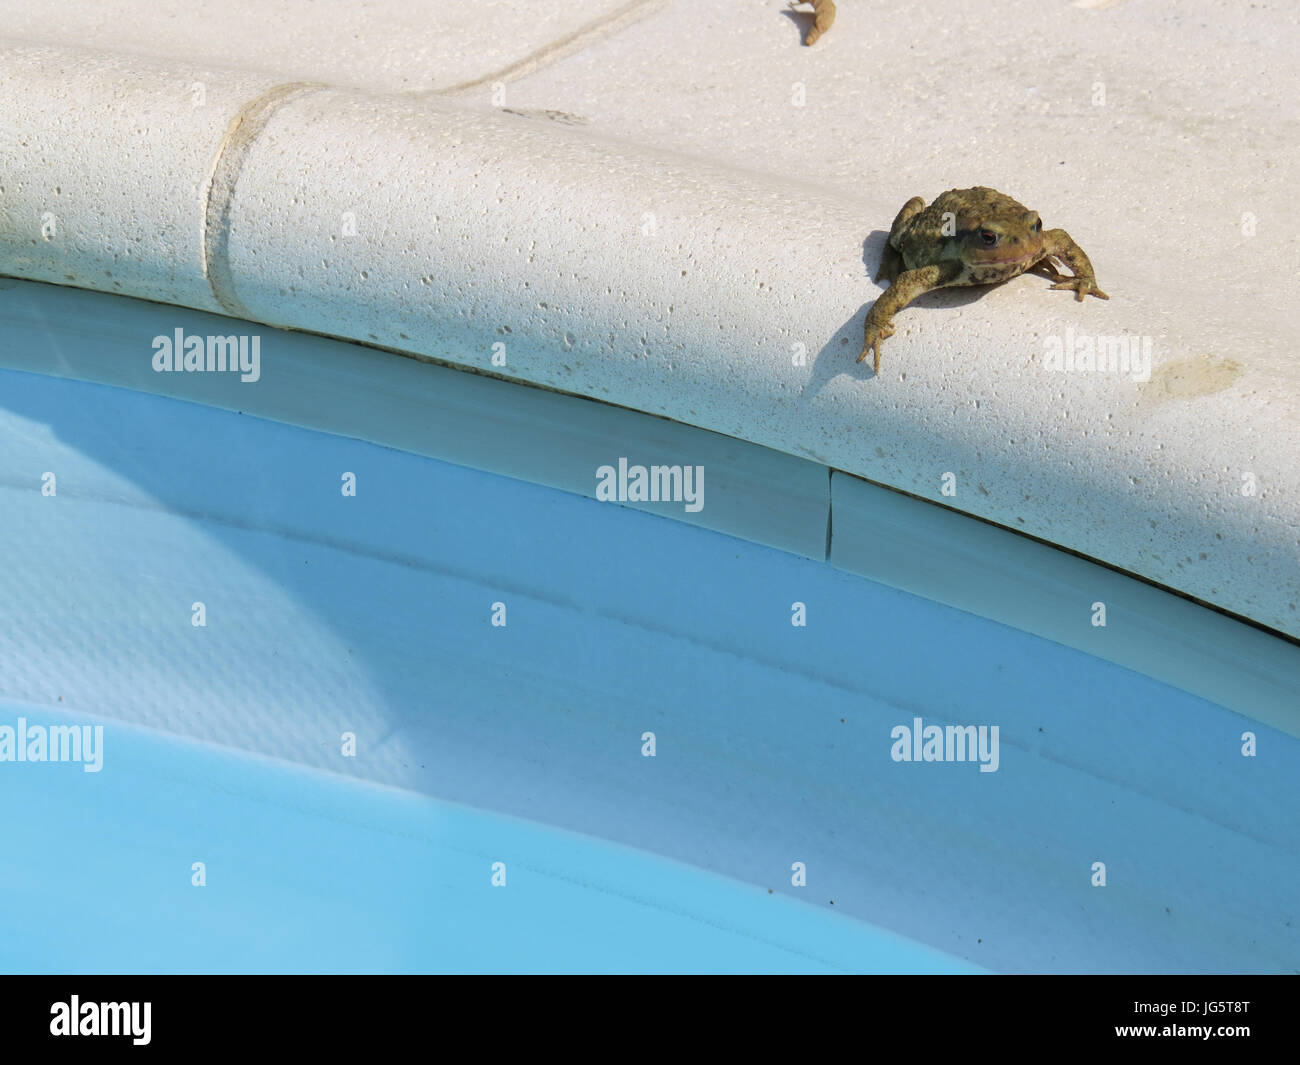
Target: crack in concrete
(596,30)
(219,188)
(244,129)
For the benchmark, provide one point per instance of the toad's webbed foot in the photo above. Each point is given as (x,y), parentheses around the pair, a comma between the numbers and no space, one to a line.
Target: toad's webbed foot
(905,288)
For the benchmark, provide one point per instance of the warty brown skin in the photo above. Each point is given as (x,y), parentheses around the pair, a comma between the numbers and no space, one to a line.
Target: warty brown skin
(968,237)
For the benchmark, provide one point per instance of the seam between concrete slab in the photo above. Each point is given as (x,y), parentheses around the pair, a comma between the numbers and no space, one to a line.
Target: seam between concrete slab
(219,188)
(830,513)
(596,30)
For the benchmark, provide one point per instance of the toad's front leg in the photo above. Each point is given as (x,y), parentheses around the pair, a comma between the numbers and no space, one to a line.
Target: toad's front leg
(906,287)
(1057,242)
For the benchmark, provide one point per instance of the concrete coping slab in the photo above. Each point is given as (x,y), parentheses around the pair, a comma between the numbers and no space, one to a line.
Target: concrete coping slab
(711,296)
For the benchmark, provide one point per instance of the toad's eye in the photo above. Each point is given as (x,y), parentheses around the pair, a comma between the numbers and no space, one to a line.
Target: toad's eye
(988,237)
(1038,226)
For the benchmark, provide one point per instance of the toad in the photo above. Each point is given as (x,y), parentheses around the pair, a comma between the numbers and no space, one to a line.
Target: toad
(968,237)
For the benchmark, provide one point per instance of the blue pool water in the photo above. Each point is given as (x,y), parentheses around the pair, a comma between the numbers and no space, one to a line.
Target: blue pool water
(328,615)
(309,872)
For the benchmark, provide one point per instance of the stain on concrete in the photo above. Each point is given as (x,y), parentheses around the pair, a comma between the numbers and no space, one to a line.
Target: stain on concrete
(1191,378)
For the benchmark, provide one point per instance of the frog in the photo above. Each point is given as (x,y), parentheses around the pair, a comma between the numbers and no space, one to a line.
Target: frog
(975,236)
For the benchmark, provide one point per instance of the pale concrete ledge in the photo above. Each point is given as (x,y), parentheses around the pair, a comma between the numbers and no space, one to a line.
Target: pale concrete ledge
(382,45)
(636,277)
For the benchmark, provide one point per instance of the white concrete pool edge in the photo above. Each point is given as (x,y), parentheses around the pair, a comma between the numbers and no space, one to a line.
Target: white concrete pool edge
(713,297)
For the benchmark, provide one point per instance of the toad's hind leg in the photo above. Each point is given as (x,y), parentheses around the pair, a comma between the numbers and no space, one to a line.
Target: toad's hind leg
(913,206)
(909,285)
(891,262)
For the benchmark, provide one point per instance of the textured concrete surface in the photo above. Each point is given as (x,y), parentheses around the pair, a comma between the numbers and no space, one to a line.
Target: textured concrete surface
(384,45)
(105,168)
(687,273)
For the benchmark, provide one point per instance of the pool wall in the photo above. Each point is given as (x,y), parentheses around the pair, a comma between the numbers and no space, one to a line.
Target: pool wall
(751,492)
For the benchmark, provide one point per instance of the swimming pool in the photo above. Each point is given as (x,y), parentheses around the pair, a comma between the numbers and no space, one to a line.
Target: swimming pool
(371,615)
